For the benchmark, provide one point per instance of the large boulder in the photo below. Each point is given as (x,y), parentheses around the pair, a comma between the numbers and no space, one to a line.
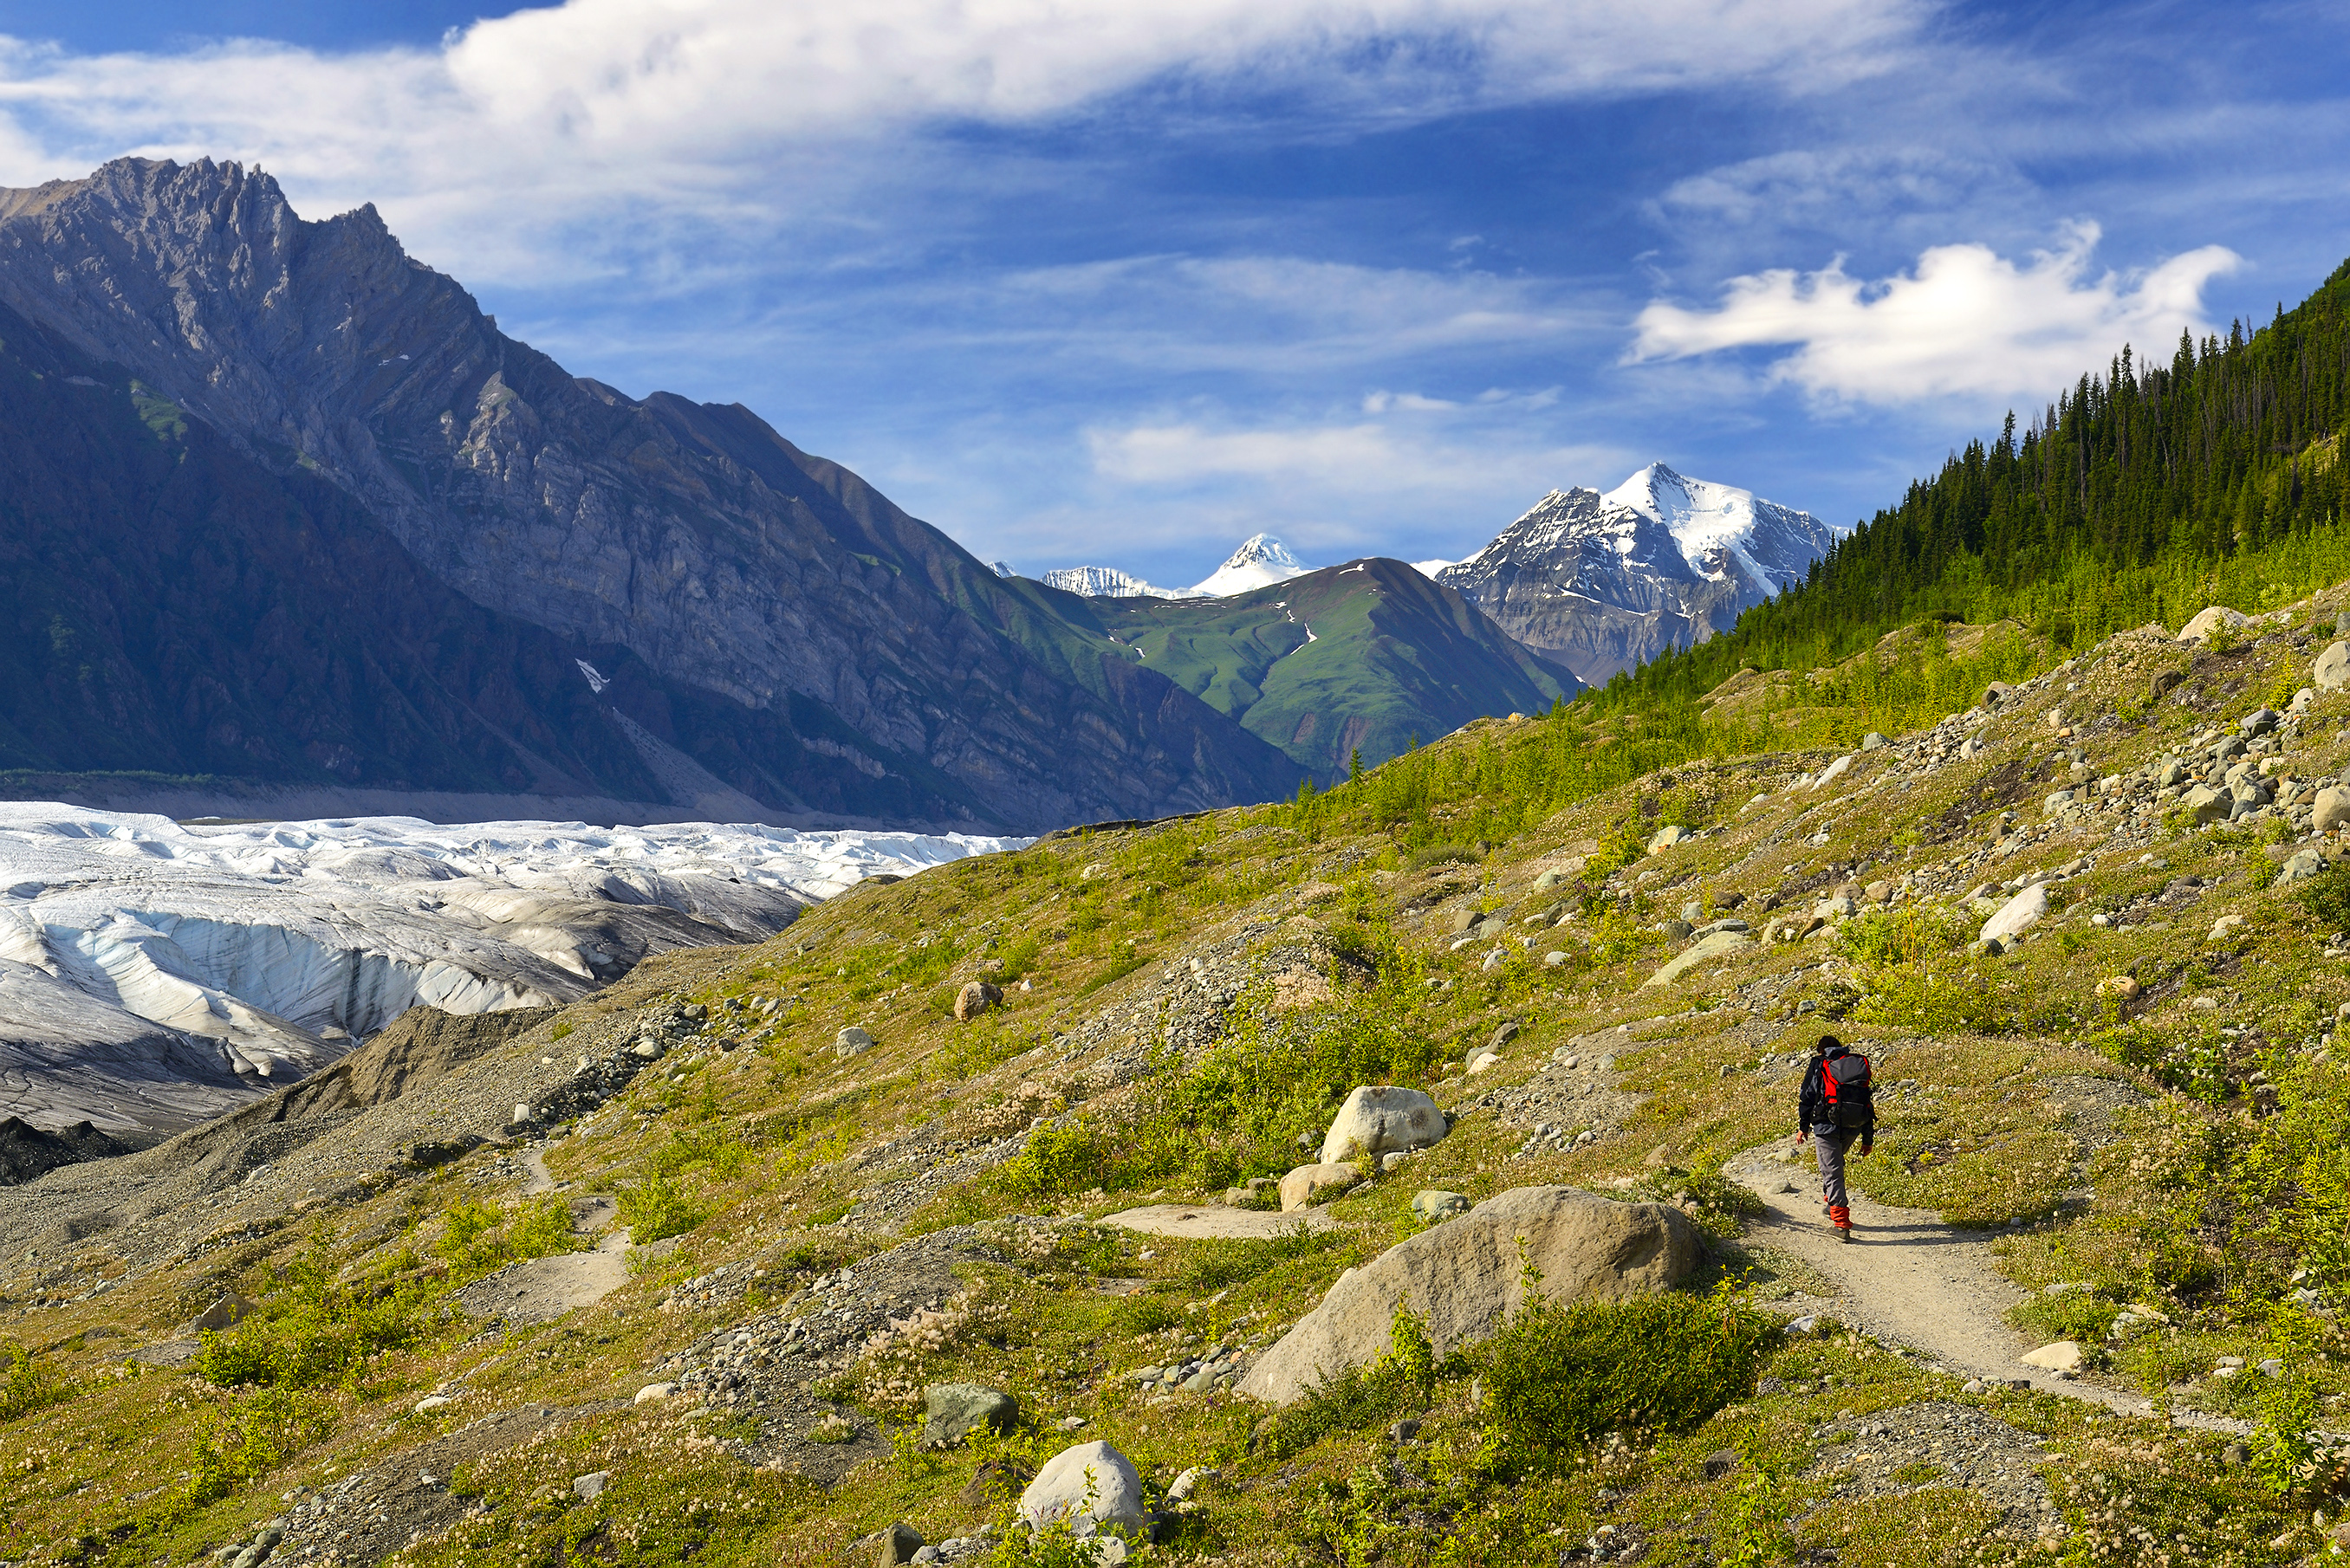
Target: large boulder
(952,1411)
(2332,809)
(2333,669)
(1721,944)
(1061,1490)
(975,998)
(2209,620)
(1377,1118)
(2016,916)
(2207,805)
(1309,1184)
(1464,1277)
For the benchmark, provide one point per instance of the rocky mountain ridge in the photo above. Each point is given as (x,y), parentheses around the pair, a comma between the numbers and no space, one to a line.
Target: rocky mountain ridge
(692,537)
(1605,582)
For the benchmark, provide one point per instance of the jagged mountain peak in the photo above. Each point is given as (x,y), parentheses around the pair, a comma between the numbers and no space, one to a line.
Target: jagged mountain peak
(1261,560)
(1604,581)
(1104,582)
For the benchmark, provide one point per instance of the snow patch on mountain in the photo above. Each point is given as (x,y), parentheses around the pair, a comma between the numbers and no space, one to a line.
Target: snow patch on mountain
(1260,562)
(1602,583)
(152,974)
(1104,583)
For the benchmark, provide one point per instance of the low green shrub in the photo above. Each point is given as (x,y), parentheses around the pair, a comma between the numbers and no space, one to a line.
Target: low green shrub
(1556,1376)
(1398,1384)
(1211,1266)
(25,1387)
(657,1208)
(258,1433)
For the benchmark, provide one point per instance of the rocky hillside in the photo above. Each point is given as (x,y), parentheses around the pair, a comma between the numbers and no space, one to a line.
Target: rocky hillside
(1606,582)
(427,559)
(1122,1152)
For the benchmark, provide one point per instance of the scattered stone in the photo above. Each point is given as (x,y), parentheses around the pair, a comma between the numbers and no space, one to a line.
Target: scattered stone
(2301,866)
(2225,927)
(1664,837)
(1306,1185)
(2331,672)
(1719,1463)
(1879,892)
(651,1392)
(590,1487)
(952,1411)
(2258,723)
(1432,1204)
(431,1402)
(2332,809)
(2205,623)
(1404,1431)
(2016,916)
(1465,1276)
(2207,805)
(851,1042)
(226,1313)
(1872,741)
(2122,985)
(975,998)
(898,1544)
(1483,1062)
(1060,1491)
(2060,1355)
(1374,1120)
(1509,1031)
(1705,949)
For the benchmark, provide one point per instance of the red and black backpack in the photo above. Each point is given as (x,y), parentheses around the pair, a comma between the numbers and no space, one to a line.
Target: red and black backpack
(1844,1081)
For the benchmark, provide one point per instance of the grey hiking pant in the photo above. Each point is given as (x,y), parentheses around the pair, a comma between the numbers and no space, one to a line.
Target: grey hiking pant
(1830,1143)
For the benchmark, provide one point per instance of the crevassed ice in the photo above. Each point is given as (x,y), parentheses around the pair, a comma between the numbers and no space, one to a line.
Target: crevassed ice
(131,946)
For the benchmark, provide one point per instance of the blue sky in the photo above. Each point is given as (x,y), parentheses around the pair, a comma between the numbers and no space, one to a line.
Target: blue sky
(1123,280)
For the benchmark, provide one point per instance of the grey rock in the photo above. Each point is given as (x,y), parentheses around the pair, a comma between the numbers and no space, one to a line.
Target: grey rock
(1719,1463)
(1872,741)
(896,1545)
(2206,805)
(590,1487)
(975,998)
(1309,1184)
(2332,809)
(1465,1276)
(1377,1118)
(851,1042)
(1722,944)
(2259,721)
(1062,1485)
(226,1313)
(1677,930)
(952,1411)
(1434,1204)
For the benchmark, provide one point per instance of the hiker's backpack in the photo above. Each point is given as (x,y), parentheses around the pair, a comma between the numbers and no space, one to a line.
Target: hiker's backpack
(1845,1081)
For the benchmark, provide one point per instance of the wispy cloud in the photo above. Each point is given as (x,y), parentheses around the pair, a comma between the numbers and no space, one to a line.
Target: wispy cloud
(553,117)
(1964,323)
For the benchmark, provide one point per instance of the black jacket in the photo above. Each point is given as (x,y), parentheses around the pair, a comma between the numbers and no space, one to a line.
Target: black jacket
(1814,1113)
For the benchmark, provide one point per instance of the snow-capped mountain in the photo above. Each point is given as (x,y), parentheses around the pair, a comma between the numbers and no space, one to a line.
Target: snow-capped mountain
(1104,583)
(1603,583)
(1261,561)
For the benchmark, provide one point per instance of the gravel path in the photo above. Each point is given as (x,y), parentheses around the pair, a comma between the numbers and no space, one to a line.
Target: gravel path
(1906,1277)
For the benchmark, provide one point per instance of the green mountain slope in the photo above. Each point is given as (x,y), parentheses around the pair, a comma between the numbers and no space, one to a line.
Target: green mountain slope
(1366,657)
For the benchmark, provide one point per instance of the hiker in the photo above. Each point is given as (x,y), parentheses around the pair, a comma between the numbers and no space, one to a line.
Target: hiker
(1837,1108)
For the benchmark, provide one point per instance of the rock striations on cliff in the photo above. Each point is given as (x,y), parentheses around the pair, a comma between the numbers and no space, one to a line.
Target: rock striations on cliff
(788,638)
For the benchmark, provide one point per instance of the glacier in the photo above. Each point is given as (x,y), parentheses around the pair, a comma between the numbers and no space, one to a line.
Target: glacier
(155,973)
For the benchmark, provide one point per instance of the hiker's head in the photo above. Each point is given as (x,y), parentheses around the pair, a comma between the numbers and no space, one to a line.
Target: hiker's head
(1828,1046)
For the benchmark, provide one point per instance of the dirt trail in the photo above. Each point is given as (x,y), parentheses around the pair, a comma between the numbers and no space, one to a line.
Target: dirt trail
(1907,1278)
(544,1289)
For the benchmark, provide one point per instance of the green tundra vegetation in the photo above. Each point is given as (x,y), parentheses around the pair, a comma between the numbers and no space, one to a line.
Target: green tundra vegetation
(2129,1117)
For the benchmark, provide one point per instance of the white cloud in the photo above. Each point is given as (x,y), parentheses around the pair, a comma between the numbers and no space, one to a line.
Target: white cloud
(1965,323)
(717,109)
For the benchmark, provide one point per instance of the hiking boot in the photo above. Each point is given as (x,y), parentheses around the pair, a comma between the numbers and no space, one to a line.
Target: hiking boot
(1841,1218)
